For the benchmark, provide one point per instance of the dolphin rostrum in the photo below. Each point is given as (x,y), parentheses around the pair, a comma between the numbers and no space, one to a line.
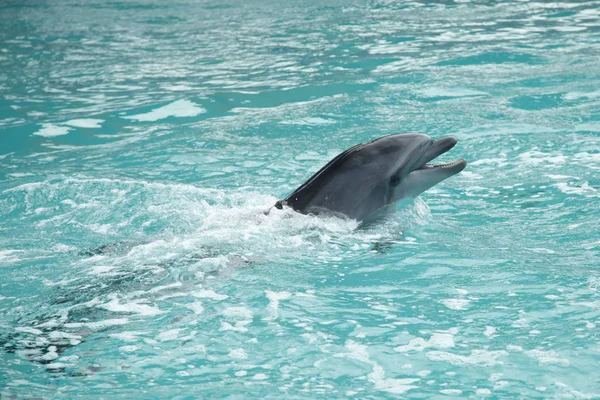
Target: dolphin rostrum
(370,176)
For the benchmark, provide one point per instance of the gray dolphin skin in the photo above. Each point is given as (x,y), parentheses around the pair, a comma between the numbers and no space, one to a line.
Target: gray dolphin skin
(370,176)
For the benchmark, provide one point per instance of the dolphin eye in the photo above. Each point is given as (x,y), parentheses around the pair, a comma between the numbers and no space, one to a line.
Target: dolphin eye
(394,180)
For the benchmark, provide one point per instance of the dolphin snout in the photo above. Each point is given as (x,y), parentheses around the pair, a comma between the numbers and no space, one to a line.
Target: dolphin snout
(446,143)
(437,148)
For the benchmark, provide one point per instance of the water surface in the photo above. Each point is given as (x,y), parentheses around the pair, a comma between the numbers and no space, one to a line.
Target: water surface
(141,141)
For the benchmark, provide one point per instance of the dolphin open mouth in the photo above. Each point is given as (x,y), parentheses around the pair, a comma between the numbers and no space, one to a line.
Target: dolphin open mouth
(437,148)
(452,164)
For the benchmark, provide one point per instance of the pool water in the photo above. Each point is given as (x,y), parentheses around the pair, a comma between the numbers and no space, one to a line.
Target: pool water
(141,141)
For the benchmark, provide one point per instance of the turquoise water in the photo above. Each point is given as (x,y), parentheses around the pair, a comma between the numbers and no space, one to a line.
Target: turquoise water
(141,141)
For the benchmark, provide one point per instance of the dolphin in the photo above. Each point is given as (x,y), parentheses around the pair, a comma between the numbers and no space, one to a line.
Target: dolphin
(370,176)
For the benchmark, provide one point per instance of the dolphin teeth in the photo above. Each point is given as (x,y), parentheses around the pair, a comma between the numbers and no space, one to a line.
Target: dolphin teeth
(447,165)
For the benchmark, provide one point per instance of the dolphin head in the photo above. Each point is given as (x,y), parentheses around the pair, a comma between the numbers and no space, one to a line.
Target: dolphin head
(372,175)
(422,174)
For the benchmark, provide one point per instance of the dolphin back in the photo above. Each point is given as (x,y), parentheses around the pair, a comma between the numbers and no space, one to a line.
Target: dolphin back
(352,184)
(301,198)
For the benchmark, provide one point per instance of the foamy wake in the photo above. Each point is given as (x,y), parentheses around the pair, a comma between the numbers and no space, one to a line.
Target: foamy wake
(195,234)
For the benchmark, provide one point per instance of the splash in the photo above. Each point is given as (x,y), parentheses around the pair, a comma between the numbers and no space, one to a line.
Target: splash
(138,273)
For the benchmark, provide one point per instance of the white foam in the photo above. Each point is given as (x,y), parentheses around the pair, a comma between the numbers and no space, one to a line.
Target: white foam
(171,334)
(589,126)
(547,357)
(559,177)
(238,354)
(537,157)
(85,123)
(310,121)
(101,269)
(240,326)
(449,92)
(63,248)
(456,304)
(57,365)
(477,357)
(395,66)
(239,313)
(98,325)
(240,317)
(541,250)
(471,175)
(27,329)
(274,298)
(9,256)
(572,393)
(512,347)
(177,88)
(128,349)
(377,376)
(179,108)
(128,336)
(451,392)
(584,189)
(486,161)
(489,331)
(437,340)
(209,294)
(51,130)
(165,287)
(387,48)
(100,228)
(23,175)
(133,307)
(69,358)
